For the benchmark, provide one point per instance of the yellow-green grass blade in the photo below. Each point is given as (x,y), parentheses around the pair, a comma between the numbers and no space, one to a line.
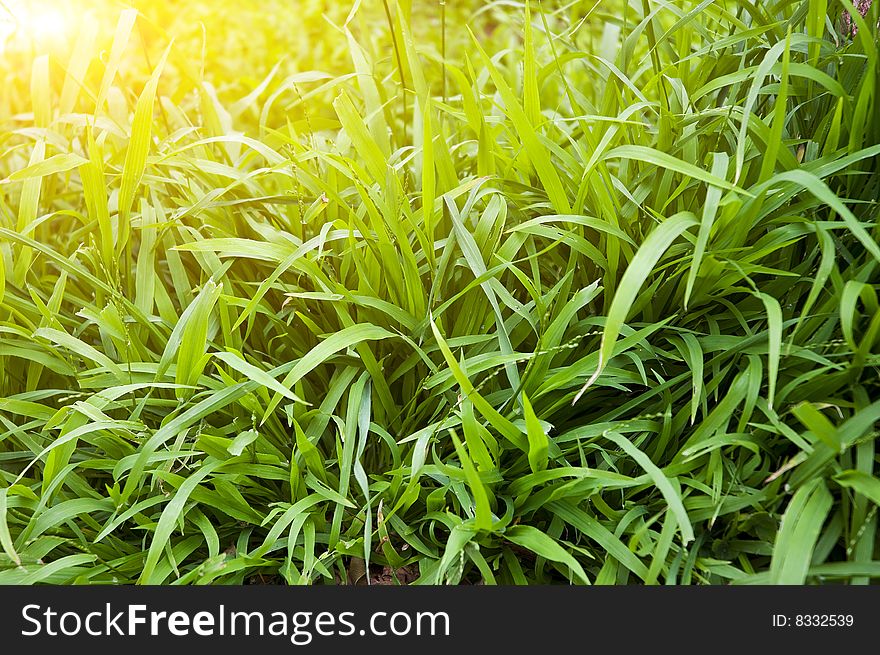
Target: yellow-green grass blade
(136,154)
(646,258)
(798,533)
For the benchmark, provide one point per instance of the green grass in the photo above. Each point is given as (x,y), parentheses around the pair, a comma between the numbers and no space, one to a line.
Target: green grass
(460,293)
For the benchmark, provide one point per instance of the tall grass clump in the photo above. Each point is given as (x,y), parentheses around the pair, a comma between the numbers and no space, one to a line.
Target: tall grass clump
(432,292)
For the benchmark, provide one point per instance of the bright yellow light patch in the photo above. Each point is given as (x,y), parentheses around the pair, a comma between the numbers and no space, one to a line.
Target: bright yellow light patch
(49,24)
(46,22)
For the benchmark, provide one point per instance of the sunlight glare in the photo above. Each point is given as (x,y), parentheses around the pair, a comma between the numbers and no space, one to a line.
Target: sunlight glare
(45,22)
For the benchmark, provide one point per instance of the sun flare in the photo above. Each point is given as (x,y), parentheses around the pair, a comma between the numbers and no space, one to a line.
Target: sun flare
(42,21)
